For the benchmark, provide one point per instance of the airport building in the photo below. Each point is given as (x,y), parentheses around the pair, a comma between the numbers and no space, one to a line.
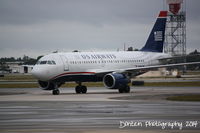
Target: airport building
(17,67)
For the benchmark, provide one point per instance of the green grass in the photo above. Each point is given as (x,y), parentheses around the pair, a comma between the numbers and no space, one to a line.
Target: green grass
(20,85)
(100,84)
(192,97)
(24,78)
(35,85)
(193,73)
(173,84)
(88,84)
(20,77)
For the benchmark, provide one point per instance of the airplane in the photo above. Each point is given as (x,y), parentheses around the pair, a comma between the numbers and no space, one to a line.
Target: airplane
(114,69)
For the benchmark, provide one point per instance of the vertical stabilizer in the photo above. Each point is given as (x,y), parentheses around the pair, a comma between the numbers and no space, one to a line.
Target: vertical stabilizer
(157,35)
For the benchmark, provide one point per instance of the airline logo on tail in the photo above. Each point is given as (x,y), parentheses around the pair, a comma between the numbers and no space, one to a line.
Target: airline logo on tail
(157,36)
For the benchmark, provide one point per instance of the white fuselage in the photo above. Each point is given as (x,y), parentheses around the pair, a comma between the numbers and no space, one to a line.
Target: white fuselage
(92,62)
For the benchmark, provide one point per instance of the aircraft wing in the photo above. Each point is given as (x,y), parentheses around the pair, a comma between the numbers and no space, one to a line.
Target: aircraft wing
(160,66)
(100,71)
(179,57)
(103,71)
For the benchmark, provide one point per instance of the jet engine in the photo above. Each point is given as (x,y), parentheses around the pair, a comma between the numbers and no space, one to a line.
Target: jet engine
(115,80)
(46,85)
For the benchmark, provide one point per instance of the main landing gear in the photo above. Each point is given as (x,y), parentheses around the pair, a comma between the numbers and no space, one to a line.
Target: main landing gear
(124,89)
(80,88)
(83,89)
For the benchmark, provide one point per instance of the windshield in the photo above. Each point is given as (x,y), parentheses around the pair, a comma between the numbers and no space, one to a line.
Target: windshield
(50,62)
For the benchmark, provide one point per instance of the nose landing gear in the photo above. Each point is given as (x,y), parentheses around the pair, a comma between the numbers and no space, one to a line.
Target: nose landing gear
(56,92)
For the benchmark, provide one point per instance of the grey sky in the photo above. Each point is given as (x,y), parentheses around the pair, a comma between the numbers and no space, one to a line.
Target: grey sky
(36,27)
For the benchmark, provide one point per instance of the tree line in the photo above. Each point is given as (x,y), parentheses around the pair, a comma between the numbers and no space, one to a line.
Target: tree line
(25,60)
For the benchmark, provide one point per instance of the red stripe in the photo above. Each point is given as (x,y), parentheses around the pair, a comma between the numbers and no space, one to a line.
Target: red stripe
(163,14)
(70,73)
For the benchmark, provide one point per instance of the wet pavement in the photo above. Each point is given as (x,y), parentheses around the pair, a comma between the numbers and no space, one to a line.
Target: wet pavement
(35,110)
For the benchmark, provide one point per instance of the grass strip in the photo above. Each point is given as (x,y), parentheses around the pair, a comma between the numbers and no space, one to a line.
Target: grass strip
(20,85)
(100,84)
(17,77)
(35,85)
(191,97)
(173,84)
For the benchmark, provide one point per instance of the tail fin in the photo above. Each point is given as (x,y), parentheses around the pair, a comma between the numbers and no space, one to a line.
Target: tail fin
(157,35)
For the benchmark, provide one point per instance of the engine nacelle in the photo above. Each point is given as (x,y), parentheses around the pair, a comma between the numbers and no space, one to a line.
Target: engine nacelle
(115,80)
(46,85)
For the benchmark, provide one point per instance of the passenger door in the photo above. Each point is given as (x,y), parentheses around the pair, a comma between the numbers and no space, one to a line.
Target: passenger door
(65,62)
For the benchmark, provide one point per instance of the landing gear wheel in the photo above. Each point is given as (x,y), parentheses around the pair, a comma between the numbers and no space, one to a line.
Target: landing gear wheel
(121,90)
(127,89)
(56,92)
(78,89)
(84,89)
(124,89)
(81,89)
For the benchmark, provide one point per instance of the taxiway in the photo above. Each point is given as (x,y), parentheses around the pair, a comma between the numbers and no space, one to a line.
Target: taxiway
(101,110)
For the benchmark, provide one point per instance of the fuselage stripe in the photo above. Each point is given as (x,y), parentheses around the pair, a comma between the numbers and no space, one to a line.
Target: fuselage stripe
(71,73)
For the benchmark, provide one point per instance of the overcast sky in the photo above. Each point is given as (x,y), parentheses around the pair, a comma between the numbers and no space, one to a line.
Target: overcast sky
(38,27)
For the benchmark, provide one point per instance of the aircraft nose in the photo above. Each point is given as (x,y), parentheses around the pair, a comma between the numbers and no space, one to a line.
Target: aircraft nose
(38,73)
(35,72)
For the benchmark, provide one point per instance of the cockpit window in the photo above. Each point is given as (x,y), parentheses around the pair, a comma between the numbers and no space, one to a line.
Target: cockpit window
(54,62)
(43,62)
(50,62)
(38,62)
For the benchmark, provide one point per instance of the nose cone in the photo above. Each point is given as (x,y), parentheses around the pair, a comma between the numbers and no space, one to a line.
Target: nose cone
(36,72)
(39,73)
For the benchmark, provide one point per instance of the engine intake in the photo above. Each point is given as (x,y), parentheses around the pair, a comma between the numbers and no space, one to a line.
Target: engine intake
(115,80)
(46,85)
